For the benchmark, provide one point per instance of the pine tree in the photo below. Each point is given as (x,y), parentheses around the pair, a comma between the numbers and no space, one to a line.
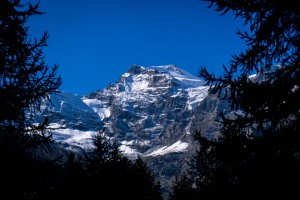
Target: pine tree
(257,154)
(104,152)
(271,101)
(25,80)
(113,174)
(182,188)
(105,167)
(264,117)
(73,179)
(143,181)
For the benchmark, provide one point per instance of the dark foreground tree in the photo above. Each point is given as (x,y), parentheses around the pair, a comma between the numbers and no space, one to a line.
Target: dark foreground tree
(25,80)
(269,102)
(144,182)
(258,152)
(112,175)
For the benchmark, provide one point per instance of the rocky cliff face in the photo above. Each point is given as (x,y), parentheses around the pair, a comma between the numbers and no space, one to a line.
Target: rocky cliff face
(152,112)
(149,108)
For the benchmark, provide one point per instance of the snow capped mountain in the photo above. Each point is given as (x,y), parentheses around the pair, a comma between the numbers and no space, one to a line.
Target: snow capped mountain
(150,111)
(68,110)
(148,108)
(73,121)
(183,78)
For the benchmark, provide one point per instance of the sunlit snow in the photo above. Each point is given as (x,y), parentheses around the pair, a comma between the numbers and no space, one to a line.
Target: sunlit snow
(74,137)
(186,79)
(97,106)
(196,95)
(179,146)
(128,151)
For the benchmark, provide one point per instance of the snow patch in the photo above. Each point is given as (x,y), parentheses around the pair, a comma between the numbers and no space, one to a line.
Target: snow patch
(98,108)
(140,82)
(196,95)
(128,151)
(74,137)
(184,78)
(126,75)
(178,146)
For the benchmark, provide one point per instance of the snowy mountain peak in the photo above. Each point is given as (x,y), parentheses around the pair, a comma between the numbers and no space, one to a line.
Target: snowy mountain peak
(151,112)
(184,78)
(150,107)
(173,70)
(136,69)
(160,76)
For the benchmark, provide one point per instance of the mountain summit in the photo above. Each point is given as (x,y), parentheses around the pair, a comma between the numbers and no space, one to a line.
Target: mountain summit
(149,108)
(151,112)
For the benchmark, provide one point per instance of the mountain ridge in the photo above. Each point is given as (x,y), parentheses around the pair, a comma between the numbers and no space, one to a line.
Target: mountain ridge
(151,112)
(147,96)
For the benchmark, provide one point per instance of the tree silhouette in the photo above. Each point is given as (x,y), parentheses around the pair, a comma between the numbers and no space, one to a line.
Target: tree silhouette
(269,102)
(73,178)
(25,80)
(182,187)
(257,154)
(115,175)
(144,183)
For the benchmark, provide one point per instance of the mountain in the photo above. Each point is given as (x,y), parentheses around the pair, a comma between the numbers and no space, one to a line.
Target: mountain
(152,112)
(73,122)
(149,108)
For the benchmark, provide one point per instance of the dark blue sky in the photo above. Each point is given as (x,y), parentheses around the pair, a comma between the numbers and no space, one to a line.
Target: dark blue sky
(95,41)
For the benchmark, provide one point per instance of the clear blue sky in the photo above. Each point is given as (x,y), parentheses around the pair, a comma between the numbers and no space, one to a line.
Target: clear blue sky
(96,41)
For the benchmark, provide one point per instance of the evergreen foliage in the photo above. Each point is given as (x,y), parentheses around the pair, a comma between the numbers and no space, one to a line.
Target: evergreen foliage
(257,155)
(25,80)
(108,170)
(73,180)
(183,188)
(272,102)
(144,182)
